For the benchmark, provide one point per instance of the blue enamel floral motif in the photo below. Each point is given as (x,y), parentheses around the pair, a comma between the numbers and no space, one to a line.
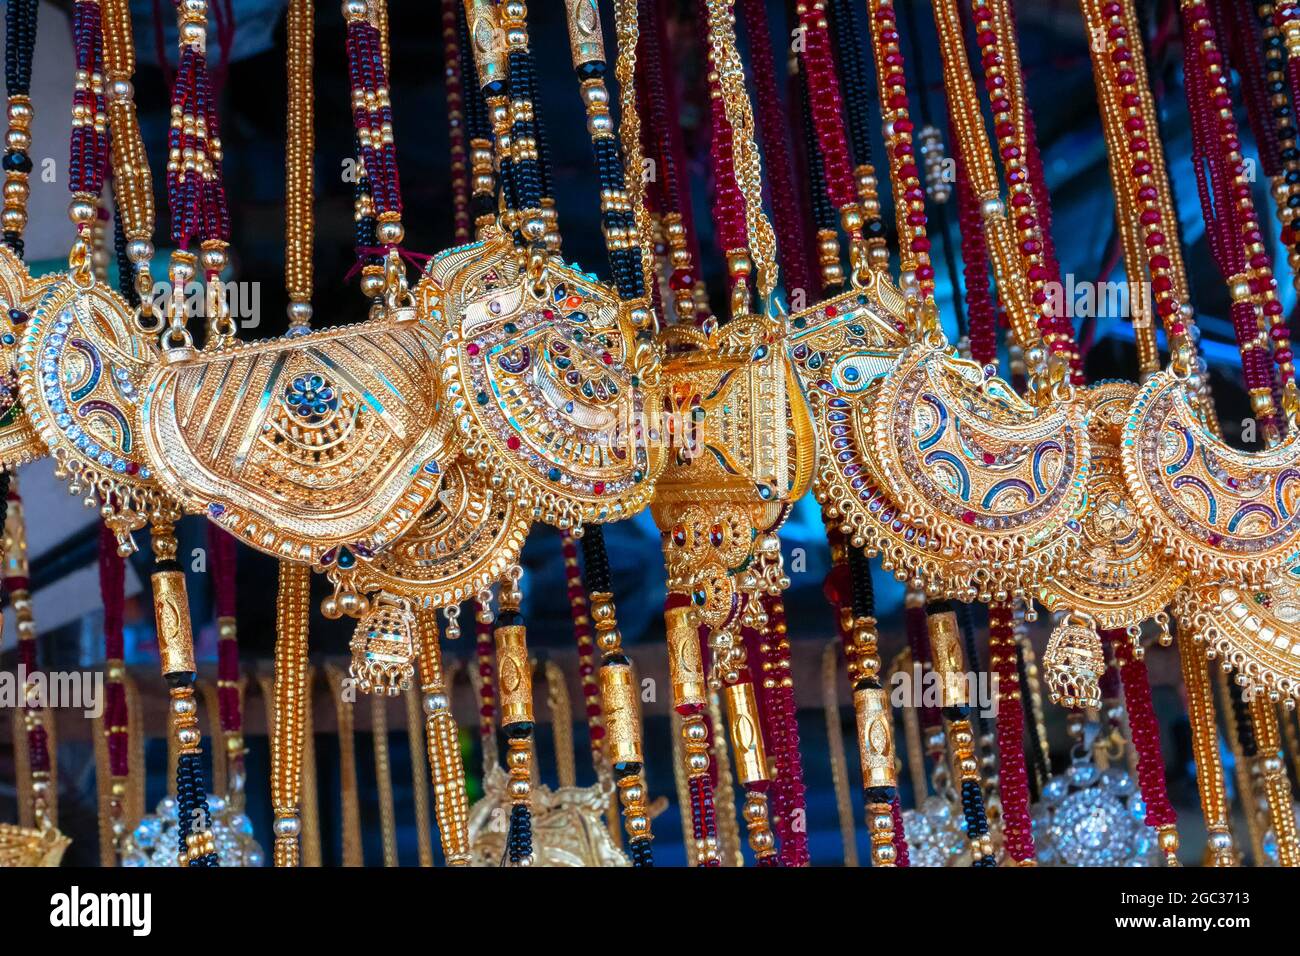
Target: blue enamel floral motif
(311,398)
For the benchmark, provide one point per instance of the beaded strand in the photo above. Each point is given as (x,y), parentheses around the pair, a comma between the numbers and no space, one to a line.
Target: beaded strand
(20,44)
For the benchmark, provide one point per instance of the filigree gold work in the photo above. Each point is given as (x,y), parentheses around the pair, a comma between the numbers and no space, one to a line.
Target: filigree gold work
(1118,576)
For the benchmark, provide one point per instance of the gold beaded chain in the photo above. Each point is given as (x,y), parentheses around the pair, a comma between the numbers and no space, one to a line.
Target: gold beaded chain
(838,755)
(1220,850)
(293,618)
(292,700)
(442,739)
(350,806)
(383,777)
(968,129)
(1276,784)
(309,797)
(1134,252)
(132,181)
(300,147)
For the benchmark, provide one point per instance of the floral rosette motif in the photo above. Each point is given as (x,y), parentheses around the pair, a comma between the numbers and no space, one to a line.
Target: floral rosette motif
(80,361)
(1224,514)
(321,448)
(1118,576)
(547,381)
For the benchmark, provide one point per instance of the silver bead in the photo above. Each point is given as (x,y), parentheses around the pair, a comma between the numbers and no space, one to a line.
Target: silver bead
(120,90)
(390,233)
(287,826)
(992,208)
(299,313)
(139,250)
(213,260)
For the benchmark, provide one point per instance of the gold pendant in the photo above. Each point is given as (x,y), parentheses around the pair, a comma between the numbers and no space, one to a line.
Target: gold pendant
(316,449)
(467,539)
(19,294)
(964,489)
(1222,513)
(742,452)
(1117,576)
(80,362)
(569,825)
(1073,664)
(21,846)
(1255,631)
(547,380)
(383,647)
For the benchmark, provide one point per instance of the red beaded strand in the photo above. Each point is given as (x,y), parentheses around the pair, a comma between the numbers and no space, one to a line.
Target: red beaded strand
(1142,169)
(909,194)
(89,152)
(112,584)
(1232,224)
(372,115)
(485,657)
(196,194)
(1144,728)
(221,548)
(981,312)
(1027,186)
(781,733)
(826,104)
(1013,777)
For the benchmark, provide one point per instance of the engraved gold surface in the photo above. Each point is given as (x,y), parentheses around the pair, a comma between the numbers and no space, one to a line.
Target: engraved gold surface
(622,717)
(547,381)
(746,733)
(1225,514)
(299,446)
(172,615)
(383,647)
(19,442)
(1256,631)
(569,827)
(996,484)
(739,425)
(1073,664)
(22,846)
(80,364)
(469,536)
(948,659)
(742,451)
(685,663)
(875,737)
(514,675)
(1118,576)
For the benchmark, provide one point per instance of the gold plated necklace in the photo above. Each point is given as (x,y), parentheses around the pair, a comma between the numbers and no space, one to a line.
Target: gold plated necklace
(964,488)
